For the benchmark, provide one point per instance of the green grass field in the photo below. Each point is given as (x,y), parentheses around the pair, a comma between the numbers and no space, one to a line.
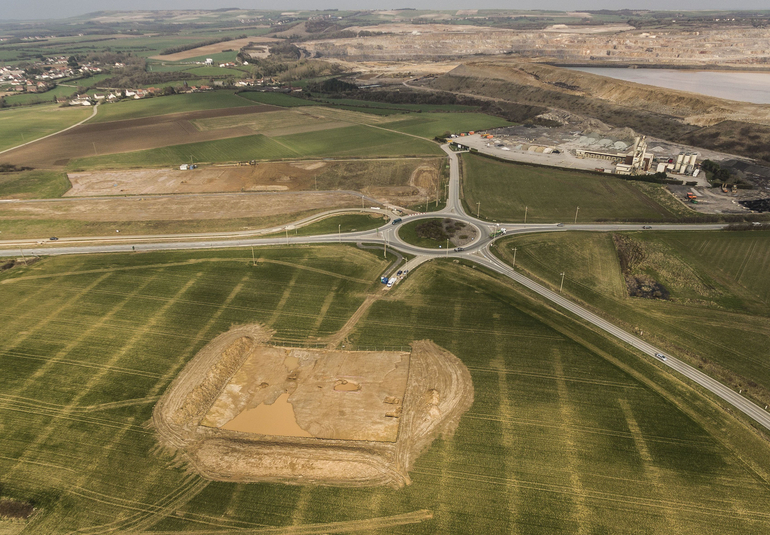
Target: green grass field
(20,125)
(351,141)
(276,99)
(430,125)
(33,185)
(408,233)
(553,195)
(148,107)
(342,223)
(718,317)
(568,431)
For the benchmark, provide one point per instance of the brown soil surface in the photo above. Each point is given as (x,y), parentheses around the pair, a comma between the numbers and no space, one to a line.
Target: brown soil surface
(402,181)
(363,436)
(172,208)
(235,44)
(129,135)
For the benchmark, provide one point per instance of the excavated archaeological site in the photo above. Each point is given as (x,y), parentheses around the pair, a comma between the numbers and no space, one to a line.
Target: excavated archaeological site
(246,411)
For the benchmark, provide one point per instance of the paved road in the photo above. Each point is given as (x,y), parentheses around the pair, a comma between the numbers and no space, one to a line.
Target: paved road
(479,252)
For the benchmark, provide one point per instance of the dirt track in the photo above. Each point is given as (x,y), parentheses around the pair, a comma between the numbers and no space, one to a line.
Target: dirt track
(129,135)
(438,391)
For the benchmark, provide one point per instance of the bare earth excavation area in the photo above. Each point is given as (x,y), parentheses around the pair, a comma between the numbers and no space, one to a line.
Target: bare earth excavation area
(246,411)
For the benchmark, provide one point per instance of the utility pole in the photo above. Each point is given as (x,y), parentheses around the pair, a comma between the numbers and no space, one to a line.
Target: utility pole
(426,203)
(362,202)
(562,282)
(525,214)
(316,183)
(576,214)
(478,209)
(94,144)
(513,266)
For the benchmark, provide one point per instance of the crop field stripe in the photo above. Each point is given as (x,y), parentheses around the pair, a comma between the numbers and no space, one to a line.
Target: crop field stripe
(324,309)
(77,363)
(8,312)
(650,468)
(300,507)
(633,502)
(94,379)
(601,382)
(54,313)
(64,351)
(506,410)
(582,513)
(284,298)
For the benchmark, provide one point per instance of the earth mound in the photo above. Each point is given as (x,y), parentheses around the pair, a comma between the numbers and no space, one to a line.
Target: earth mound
(246,411)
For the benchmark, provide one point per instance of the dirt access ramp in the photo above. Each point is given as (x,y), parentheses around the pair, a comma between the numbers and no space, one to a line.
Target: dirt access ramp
(128,136)
(381,410)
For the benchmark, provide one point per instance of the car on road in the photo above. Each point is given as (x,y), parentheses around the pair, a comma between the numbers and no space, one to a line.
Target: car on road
(458,249)
(661,356)
(646,227)
(396,221)
(559,224)
(53,238)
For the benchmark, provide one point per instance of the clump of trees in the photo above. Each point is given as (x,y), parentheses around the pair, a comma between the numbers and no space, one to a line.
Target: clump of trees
(190,46)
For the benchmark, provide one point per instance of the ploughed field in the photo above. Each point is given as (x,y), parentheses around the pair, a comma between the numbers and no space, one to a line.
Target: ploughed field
(567,430)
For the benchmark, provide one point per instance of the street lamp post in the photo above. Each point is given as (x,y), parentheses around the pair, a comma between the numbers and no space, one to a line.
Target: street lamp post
(478,209)
(577,209)
(513,266)
(339,233)
(447,246)
(287,235)
(525,214)
(562,282)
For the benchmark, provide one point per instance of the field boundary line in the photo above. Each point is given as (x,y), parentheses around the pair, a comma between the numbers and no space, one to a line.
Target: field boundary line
(93,114)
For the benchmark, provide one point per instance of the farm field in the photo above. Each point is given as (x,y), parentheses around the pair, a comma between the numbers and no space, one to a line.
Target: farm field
(351,141)
(567,429)
(339,223)
(19,125)
(276,99)
(33,185)
(164,214)
(128,135)
(552,195)
(430,125)
(717,283)
(149,107)
(389,177)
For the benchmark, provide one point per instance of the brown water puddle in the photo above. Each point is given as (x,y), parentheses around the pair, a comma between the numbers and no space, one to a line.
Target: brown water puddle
(276,419)
(347,386)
